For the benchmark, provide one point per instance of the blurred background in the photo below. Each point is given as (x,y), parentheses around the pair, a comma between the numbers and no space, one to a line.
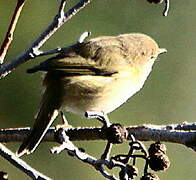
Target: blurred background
(167,97)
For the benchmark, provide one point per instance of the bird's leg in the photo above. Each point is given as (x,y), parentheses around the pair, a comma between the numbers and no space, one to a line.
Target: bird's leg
(65,124)
(115,133)
(103,118)
(63,118)
(100,116)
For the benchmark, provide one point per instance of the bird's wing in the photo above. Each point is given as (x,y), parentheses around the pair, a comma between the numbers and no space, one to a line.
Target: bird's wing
(93,57)
(71,66)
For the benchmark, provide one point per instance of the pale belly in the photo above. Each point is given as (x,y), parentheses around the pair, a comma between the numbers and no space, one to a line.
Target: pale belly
(90,93)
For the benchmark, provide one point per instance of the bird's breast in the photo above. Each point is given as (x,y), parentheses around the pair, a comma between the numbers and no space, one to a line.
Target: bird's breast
(99,93)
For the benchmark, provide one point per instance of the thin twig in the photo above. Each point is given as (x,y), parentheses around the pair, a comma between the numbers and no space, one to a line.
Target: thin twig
(184,133)
(166,9)
(10,33)
(20,164)
(67,49)
(84,157)
(107,151)
(33,50)
(105,173)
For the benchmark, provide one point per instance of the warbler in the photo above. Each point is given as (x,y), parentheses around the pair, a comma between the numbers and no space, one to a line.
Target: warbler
(97,75)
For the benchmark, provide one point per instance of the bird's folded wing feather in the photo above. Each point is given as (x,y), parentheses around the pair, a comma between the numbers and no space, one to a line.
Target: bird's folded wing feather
(85,60)
(70,66)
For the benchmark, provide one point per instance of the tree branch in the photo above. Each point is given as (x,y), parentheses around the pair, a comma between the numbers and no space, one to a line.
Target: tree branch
(20,164)
(33,50)
(184,134)
(10,33)
(66,144)
(66,49)
(166,8)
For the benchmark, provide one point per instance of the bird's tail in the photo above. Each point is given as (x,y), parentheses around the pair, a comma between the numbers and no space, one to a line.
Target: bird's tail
(48,112)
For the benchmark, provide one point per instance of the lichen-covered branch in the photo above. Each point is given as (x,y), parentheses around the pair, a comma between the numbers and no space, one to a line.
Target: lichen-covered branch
(184,134)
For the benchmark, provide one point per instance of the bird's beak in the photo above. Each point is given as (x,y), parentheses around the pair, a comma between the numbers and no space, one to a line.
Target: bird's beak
(162,50)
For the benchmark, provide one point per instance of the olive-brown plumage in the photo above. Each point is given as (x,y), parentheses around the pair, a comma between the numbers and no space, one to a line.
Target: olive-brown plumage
(98,75)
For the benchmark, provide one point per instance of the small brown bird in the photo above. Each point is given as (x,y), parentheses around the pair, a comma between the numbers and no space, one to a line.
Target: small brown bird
(99,75)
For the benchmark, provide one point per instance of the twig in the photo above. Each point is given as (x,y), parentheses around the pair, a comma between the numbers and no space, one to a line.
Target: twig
(20,164)
(3,175)
(184,133)
(33,50)
(166,9)
(107,151)
(84,157)
(110,163)
(9,35)
(67,49)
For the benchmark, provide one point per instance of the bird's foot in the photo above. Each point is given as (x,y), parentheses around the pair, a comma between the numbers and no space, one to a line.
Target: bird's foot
(100,116)
(115,133)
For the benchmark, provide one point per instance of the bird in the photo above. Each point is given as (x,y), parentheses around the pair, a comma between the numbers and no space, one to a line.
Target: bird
(97,75)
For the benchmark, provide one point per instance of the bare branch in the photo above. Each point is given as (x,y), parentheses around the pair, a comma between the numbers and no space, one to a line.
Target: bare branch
(166,8)
(184,133)
(127,171)
(84,157)
(10,33)
(20,164)
(165,11)
(67,49)
(33,50)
